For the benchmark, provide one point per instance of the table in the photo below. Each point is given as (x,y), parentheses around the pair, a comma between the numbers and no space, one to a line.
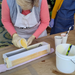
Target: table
(43,66)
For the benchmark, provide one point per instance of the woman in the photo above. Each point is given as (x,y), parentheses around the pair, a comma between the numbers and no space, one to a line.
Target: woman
(25,19)
(62,16)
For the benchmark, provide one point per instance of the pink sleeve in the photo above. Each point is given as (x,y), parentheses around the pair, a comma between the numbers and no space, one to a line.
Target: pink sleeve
(6,18)
(45,18)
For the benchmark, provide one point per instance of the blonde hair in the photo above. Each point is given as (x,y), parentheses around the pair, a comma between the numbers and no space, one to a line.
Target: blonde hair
(27,4)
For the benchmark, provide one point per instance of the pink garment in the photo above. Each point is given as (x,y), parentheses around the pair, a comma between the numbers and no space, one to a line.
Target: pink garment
(44,15)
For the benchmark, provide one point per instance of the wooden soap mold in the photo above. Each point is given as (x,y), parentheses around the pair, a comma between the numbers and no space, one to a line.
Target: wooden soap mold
(33,52)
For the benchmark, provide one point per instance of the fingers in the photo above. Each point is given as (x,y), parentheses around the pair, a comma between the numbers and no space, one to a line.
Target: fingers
(15,42)
(51,24)
(18,45)
(29,41)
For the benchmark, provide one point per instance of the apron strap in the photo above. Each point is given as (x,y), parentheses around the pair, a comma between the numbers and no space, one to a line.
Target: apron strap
(17,7)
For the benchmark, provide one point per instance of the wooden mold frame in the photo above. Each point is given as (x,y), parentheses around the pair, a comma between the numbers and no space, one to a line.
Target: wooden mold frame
(19,56)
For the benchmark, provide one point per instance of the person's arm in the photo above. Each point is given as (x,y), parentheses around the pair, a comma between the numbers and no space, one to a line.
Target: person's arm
(56,7)
(6,18)
(45,18)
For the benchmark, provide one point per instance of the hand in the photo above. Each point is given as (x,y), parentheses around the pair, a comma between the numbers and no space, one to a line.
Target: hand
(15,40)
(30,40)
(51,24)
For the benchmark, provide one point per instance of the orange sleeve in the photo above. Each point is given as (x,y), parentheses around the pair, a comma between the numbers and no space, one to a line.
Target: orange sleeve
(56,7)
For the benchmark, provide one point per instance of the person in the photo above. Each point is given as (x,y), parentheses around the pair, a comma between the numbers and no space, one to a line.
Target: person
(62,16)
(26,19)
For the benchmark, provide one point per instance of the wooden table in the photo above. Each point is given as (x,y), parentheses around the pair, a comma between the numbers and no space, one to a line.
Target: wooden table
(43,66)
